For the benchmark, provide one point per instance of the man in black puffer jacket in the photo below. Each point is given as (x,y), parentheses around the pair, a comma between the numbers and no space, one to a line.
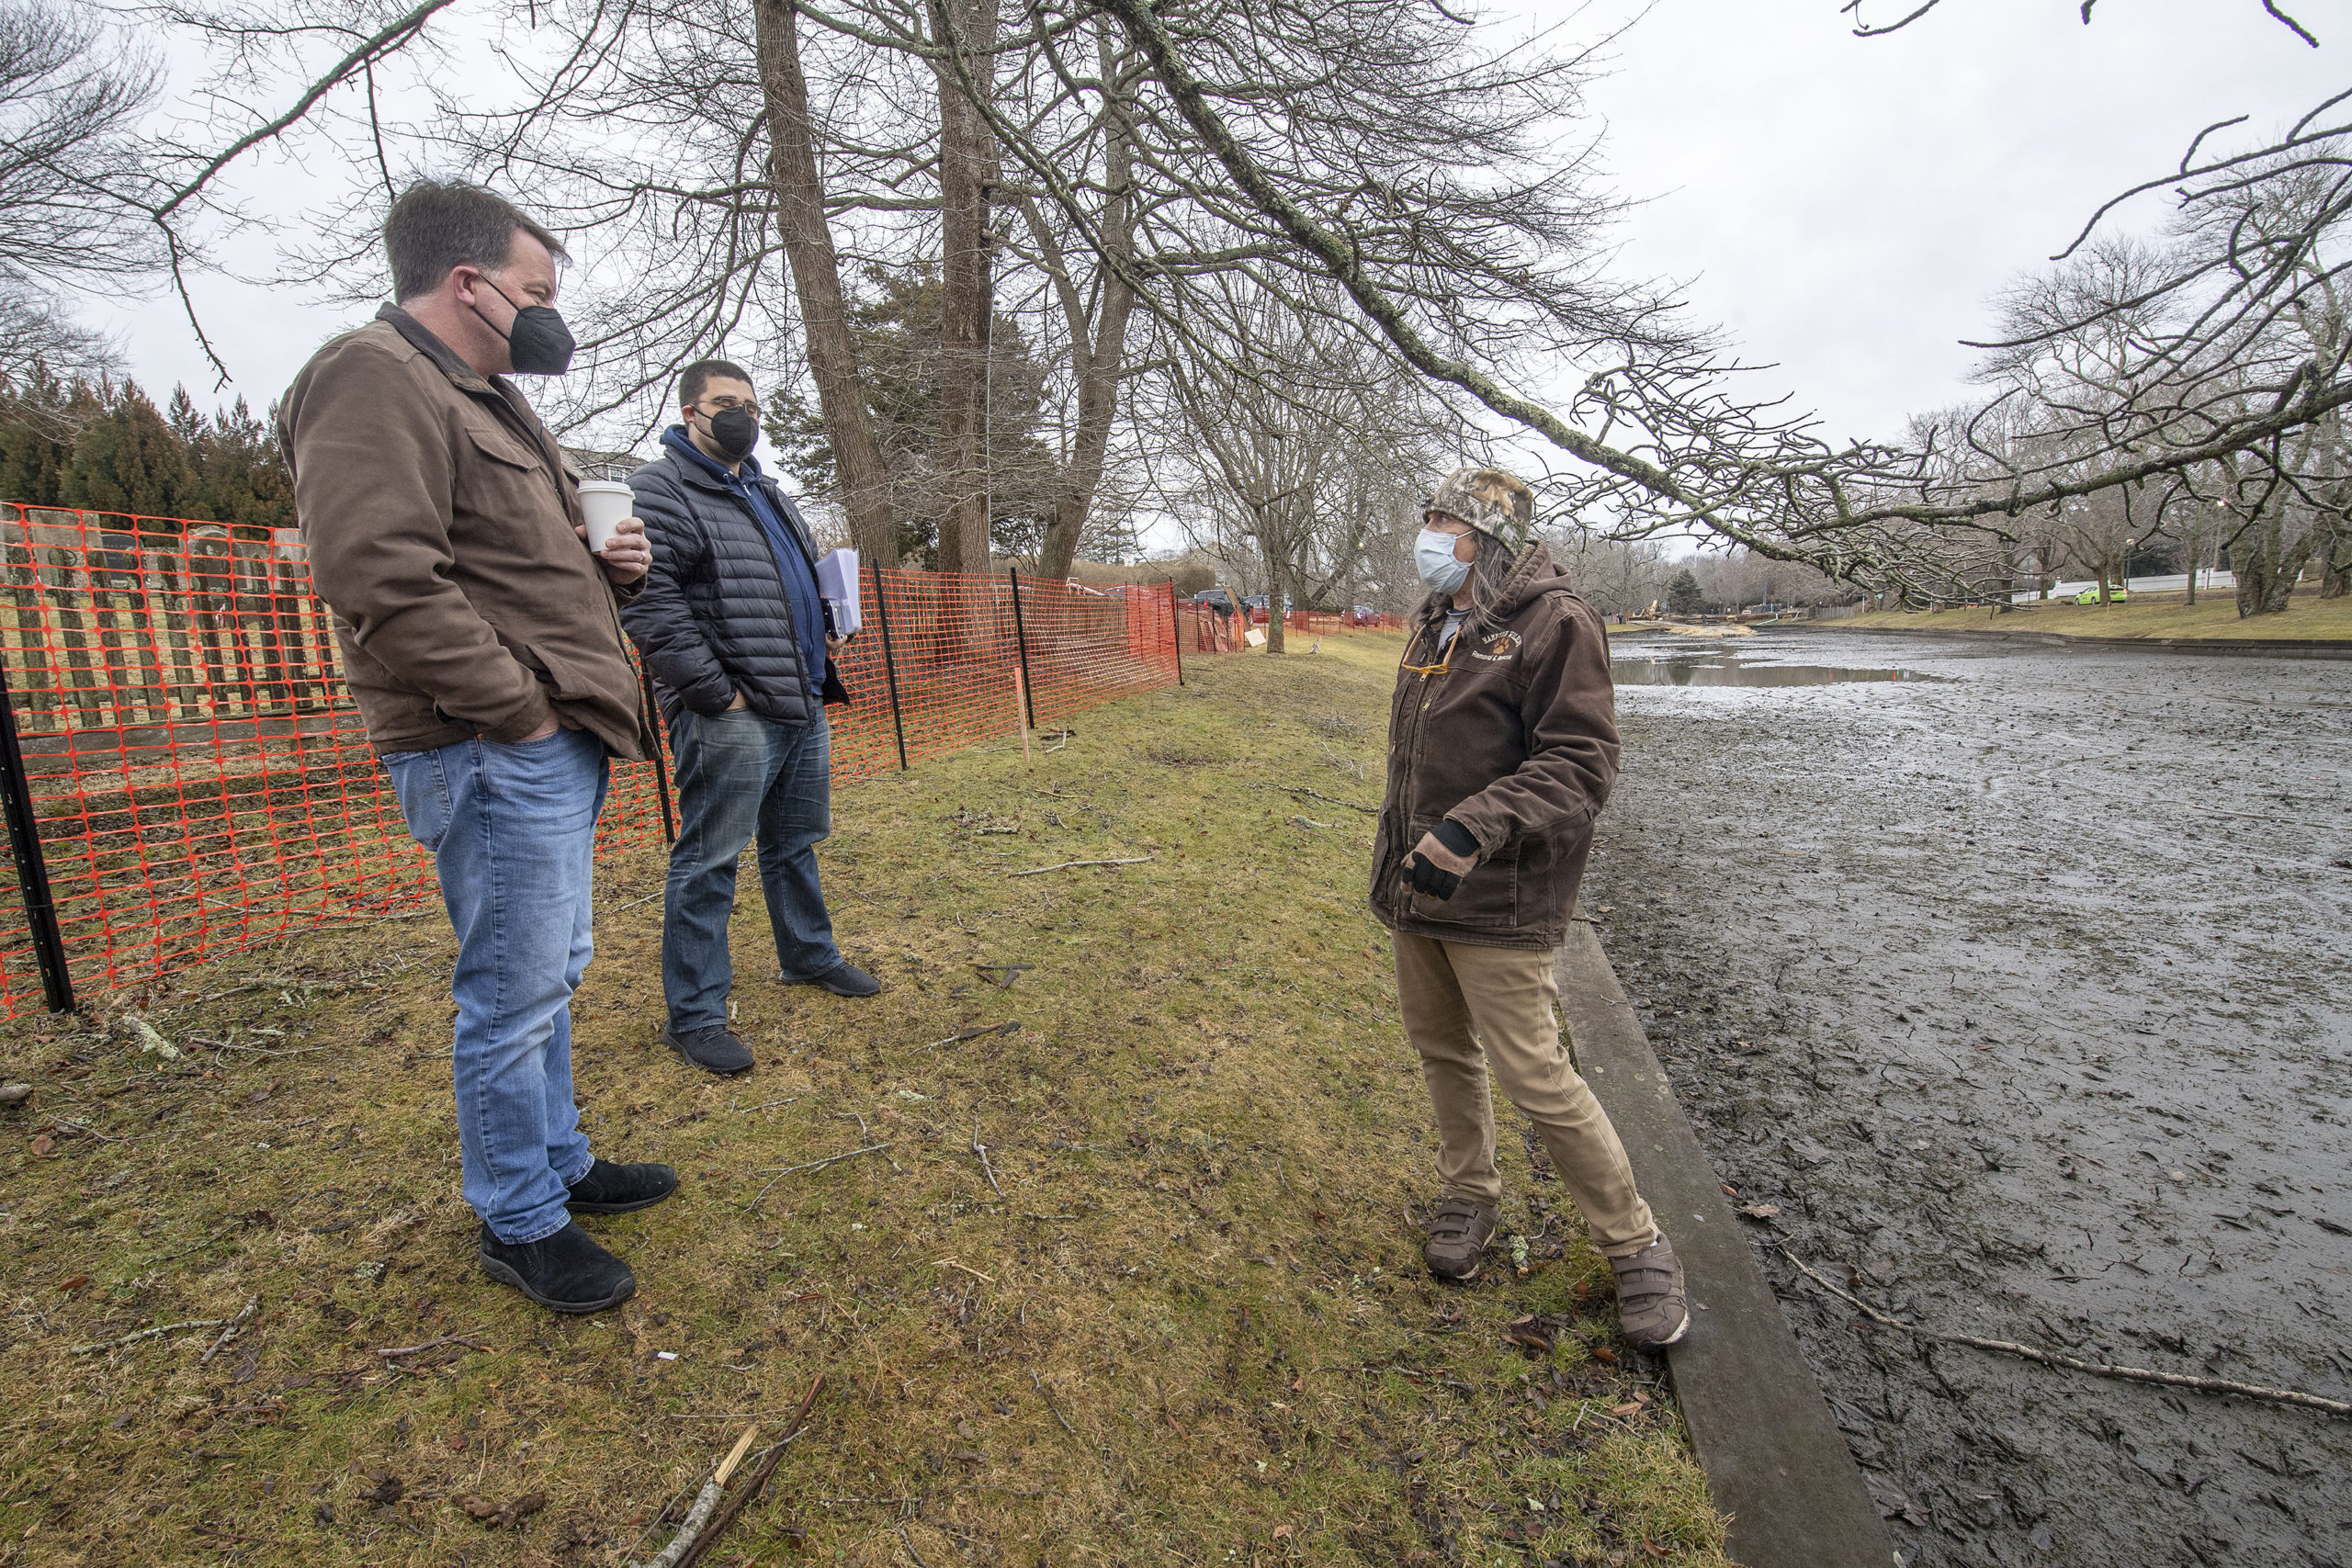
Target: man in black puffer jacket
(730,624)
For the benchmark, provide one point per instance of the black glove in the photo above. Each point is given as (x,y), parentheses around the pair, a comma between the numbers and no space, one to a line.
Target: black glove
(1426,876)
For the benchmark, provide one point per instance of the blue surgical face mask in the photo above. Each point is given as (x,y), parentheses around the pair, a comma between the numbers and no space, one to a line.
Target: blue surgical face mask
(1434,558)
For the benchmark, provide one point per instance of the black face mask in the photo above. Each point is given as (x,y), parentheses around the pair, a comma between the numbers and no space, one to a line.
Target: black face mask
(538,343)
(735,432)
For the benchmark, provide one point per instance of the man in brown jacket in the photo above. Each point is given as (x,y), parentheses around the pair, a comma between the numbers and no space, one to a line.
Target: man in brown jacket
(482,641)
(1502,745)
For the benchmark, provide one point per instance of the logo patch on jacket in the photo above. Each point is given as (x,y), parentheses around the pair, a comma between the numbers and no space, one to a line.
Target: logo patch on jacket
(1500,646)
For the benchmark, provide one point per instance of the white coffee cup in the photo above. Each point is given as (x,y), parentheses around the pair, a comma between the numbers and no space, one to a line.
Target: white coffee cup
(605,503)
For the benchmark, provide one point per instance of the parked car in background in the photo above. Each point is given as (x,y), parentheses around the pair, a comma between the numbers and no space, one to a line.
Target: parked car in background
(1215,599)
(2114,596)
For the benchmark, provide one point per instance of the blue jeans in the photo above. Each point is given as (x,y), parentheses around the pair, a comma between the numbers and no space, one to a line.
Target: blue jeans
(512,832)
(741,777)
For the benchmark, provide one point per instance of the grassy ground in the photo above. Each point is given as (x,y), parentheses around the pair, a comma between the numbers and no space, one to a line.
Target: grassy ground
(1191,1327)
(2307,616)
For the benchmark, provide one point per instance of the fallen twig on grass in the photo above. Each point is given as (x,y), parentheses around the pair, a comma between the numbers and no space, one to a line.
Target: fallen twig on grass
(701,1545)
(397,1350)
(2075,1363)
(981,1149)
(1011,1026)
(252,1304)
(812,1165)
(706,1501)
(1318,794)
(149,1039)
(1073,864)
(155,1333)
(1050,1405)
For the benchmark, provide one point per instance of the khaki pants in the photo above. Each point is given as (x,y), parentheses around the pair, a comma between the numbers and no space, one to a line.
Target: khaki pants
(1457,998)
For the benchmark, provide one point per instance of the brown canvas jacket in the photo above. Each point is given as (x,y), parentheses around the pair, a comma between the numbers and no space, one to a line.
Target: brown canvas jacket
(1516,739)
(438,514)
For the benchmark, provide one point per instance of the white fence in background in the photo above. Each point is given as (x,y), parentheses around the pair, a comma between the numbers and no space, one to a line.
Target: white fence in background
(2222,582)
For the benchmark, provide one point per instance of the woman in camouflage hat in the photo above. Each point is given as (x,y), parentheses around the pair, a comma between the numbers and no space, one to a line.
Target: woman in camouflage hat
(1502,745)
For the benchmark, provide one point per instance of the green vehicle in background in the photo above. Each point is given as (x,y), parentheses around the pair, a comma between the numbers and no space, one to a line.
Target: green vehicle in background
(2114,596)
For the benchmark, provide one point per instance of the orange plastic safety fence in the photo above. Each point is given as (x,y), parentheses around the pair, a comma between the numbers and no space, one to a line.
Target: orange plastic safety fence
(201,781)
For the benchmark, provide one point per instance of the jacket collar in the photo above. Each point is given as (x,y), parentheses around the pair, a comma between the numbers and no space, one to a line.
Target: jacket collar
(704,470)
(421,338)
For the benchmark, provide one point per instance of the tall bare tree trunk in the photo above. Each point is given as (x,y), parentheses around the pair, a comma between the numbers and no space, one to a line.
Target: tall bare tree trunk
(817,279)
(1098,347)
(967,291)
(1274,596)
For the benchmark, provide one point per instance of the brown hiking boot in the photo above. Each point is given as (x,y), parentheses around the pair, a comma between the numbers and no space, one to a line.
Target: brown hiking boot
(1651,1307)
(1459,1232)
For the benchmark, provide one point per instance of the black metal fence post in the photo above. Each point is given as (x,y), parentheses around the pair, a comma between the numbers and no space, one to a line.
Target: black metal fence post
(1020,641)
(32,868)
(891,668)
(651,720)
(1175,631)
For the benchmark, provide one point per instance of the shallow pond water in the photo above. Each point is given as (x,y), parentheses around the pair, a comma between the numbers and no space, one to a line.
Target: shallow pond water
(1713,669)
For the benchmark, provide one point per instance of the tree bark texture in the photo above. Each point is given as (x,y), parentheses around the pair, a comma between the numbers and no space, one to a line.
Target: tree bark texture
(1098,346)
(816,280)
(967,166)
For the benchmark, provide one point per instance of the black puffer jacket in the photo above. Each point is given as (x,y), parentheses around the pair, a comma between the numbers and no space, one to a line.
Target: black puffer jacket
(713,618)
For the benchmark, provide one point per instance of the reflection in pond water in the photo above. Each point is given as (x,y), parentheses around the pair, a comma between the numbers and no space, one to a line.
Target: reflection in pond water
(1718,671)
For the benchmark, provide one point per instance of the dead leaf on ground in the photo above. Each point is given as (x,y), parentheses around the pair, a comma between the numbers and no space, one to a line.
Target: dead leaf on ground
(1528,1332)
(42,1145)
(388,1490)
(503,1515)
(1759,1211)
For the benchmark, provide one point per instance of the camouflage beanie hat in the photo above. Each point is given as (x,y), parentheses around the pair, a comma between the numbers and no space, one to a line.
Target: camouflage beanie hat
(1491,501)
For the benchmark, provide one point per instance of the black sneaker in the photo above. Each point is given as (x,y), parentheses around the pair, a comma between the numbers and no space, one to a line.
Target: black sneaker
(711,1048)
(567,1271)
(610,1188)
(846,979)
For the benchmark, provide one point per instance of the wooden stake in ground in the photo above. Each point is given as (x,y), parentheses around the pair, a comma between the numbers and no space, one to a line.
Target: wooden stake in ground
(1021,716)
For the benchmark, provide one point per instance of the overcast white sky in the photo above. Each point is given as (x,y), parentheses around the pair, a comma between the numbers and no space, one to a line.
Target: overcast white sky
(1843,208)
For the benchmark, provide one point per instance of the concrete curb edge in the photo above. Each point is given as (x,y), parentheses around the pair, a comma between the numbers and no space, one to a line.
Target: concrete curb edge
(1774,1458)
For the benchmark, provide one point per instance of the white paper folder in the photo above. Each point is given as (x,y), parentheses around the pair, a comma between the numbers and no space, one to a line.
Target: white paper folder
(837,585)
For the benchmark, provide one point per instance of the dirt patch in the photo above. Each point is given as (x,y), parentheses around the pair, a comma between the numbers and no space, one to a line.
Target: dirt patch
(2024,999)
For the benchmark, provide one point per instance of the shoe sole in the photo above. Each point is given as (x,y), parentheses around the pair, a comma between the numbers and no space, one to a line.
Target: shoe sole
(680,1051)
(853,996)
(1674,1338)
(507,1276)
(580,1208)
